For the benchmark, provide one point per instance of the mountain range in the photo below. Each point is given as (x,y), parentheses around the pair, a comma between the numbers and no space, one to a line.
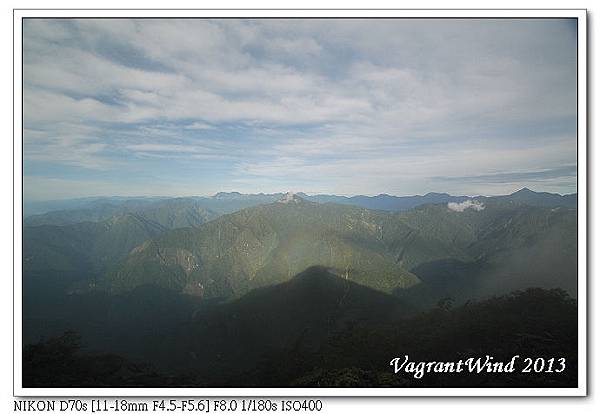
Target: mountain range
(180,244)
(232,286)
(69,211)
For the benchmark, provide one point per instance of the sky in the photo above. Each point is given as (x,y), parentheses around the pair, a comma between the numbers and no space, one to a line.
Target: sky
(194,107)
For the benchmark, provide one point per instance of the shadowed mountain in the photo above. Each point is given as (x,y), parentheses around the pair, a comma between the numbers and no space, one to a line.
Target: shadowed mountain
(533,322)
(183,333)
(60,362)
(271,338)
(145,324)
(301,315)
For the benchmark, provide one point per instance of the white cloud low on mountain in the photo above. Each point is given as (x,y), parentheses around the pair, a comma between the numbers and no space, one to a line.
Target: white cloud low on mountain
(460,207)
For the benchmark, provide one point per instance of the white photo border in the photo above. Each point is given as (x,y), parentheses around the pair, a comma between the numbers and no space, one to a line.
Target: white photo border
(582,247)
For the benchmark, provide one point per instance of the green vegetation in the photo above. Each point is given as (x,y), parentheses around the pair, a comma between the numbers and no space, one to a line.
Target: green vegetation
(267,244)
(297,293)
(390,252)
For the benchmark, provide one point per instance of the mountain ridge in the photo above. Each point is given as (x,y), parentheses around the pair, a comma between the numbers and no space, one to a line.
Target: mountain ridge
(269,243)
(200,209)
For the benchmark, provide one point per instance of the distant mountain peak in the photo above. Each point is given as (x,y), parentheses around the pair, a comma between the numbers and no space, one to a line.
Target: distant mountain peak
(290,197)
(227,195)
(524,190)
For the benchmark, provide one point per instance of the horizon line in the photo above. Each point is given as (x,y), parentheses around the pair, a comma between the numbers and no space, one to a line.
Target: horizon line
(310,194)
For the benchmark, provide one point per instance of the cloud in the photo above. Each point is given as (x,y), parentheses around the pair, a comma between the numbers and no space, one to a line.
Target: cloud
(66,143)
(199,125)
(337,105)
(460,207)
(517,177)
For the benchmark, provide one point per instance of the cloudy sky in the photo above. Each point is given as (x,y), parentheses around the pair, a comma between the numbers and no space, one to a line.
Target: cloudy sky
(193,107)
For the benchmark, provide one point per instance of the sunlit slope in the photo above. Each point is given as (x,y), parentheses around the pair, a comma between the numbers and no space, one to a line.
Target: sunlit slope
(268,244)
(473,250)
